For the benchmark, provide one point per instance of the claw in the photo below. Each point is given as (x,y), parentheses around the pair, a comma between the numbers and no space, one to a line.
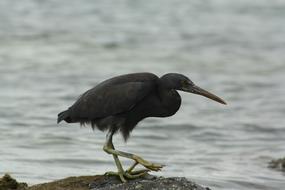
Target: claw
(121,175)
(133,176)
(128,175)
(139,171)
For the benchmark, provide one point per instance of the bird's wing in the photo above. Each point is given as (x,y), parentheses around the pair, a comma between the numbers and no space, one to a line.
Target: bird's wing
(109,100)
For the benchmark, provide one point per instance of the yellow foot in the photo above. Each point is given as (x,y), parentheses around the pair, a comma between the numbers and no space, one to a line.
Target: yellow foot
(147,164)
(128,175)
(120,175)
(138,173)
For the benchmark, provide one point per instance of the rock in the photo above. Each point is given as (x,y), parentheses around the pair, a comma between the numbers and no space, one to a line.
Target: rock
(8,183)
(102,182)
(278,164)
(70,183)
(148,182)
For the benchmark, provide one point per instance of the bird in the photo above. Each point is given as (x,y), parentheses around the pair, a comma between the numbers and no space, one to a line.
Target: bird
(118,104)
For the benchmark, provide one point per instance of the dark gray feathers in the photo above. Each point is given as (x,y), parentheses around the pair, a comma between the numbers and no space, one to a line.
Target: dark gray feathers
(111,97)
(119,103)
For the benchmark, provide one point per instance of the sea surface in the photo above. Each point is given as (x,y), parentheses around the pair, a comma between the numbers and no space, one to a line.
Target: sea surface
(52,51)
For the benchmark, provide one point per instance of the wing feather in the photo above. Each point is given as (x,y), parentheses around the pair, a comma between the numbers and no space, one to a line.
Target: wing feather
(106,100)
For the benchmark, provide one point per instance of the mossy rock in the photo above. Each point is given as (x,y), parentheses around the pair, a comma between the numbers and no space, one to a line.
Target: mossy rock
(8,183)
(70,183)
(102,182)
(278,164)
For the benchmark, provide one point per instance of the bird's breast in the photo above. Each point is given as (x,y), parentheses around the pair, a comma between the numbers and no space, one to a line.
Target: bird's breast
(170,102)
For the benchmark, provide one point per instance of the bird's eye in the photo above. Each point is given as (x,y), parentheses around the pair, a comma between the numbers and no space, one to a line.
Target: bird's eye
(185,82)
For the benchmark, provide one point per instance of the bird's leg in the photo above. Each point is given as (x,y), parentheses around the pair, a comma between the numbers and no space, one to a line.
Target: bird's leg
(136,172)
(132,167)
(133,174)
(138,160)
(109,148)
(109,145)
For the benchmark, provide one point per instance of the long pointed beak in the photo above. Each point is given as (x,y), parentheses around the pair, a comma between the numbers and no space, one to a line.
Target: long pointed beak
(197,90)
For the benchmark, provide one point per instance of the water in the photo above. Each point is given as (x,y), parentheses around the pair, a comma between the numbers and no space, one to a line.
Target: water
(52,51)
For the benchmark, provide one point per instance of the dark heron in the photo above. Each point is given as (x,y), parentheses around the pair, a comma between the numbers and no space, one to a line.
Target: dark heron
(119,103)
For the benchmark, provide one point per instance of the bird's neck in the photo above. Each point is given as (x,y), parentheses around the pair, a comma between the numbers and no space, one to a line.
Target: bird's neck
(170,100)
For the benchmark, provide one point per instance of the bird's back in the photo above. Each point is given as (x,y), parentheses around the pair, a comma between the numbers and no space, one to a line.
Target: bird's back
(110,97)
(133,77)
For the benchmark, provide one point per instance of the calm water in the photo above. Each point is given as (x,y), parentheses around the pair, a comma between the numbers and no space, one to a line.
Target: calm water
(52,51)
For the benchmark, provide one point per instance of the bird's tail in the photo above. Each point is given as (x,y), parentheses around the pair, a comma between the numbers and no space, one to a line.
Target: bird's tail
(63,116)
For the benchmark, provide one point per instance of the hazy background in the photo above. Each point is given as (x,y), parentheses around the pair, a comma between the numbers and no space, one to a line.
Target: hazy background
(52,51)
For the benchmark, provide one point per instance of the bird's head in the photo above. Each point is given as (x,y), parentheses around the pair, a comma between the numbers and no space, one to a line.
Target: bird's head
(180,82)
